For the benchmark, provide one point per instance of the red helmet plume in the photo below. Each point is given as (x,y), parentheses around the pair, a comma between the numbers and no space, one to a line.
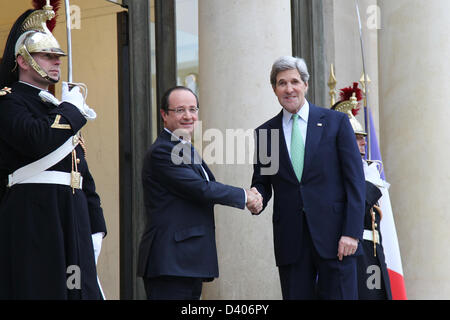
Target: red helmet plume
(346,94)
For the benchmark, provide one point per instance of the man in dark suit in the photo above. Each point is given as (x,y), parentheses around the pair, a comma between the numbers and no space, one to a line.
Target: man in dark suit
(178,249)
(318,190)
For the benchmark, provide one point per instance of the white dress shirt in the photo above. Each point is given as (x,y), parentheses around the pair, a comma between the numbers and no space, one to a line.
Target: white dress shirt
(302,122)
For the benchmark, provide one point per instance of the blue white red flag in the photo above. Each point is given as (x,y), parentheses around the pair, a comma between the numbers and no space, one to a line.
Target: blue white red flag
(387,227)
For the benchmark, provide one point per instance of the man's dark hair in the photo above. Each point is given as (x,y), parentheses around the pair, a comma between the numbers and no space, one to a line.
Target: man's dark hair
(165,97)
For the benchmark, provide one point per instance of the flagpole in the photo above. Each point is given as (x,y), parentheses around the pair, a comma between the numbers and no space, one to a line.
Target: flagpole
(366,91)
(69,42)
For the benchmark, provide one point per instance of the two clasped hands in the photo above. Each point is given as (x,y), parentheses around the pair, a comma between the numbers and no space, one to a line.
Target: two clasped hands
(254,201)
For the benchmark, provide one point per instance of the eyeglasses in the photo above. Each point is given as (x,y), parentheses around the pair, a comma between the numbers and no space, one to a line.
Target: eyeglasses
(180,111)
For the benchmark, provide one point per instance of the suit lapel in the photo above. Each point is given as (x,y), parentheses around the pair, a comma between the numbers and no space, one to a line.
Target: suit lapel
(195,165)
(314,134)
(199,164)
(209,172)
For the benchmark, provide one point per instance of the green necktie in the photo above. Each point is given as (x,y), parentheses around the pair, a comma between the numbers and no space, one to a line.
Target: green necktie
(297,148)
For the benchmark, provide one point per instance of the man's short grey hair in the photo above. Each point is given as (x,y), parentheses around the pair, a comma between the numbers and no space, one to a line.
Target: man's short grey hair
(289,63)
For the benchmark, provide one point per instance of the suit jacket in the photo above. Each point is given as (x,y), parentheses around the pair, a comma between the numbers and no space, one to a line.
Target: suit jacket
(331,191)
(179,238)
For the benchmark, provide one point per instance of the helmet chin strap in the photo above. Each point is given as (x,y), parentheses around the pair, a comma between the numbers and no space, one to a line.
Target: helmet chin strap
(28,58)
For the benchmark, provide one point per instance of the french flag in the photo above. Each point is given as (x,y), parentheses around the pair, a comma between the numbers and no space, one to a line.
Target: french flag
(388,231)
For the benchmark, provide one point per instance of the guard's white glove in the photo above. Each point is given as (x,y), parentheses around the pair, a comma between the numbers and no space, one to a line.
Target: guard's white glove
(75,97)
(372,174)
(97,239)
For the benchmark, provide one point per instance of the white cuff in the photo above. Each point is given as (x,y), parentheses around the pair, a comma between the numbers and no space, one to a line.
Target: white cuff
(97,239)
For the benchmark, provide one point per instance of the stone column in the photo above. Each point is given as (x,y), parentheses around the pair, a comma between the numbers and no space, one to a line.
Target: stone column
(239,41)
(414,116)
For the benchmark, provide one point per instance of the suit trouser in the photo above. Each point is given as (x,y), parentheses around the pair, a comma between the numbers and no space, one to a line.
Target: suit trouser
(313,277)
(173,288)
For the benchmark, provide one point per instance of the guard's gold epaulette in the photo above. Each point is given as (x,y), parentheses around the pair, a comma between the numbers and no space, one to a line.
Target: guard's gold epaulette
(5,91)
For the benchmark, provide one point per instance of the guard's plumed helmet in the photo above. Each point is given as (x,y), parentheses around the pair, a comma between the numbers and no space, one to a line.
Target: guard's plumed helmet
(348,104)
(36,37)
(31,33)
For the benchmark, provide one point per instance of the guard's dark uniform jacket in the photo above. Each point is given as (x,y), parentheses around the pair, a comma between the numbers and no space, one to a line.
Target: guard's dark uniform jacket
(368,259)
(46,249)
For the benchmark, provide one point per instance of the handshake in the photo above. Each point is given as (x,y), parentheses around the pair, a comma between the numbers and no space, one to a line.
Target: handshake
(254,201)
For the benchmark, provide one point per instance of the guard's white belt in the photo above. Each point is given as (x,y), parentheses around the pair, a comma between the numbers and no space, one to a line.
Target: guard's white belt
(368,235)
(39,166)
(52,177)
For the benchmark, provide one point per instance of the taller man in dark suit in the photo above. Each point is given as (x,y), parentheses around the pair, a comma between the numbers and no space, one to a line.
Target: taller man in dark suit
(178,249)
(318,190)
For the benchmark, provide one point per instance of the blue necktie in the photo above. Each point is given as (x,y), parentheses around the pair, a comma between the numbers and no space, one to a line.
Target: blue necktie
(297,148)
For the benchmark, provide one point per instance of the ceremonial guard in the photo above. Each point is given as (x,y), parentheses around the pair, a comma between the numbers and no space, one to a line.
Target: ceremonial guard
(51,221)
(373,278)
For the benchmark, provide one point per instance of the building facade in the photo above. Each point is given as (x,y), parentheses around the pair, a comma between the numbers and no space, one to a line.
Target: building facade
(129,52)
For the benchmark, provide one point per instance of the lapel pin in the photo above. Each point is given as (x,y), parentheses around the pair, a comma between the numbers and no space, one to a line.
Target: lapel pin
(319,124)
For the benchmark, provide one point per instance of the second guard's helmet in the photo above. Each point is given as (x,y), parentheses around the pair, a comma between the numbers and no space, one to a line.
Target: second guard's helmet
(349,105)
